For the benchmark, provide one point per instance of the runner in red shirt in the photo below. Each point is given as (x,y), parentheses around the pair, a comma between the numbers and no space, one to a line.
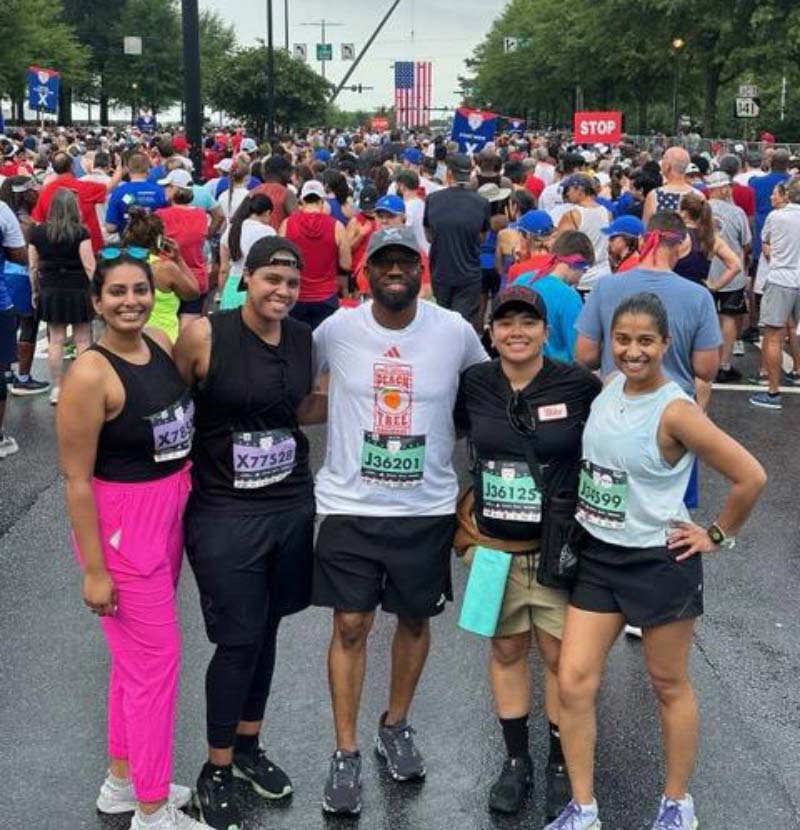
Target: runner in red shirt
(188,227)
(743,195)
(624,237)
(535,229)
(361,227)
(90,194)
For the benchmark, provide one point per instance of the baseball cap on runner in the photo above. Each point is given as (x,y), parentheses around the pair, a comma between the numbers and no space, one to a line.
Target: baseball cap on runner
(413,156)
(624,226)
(536,223)
(312,188)
(224,165)
(271,250)
(403,237)
(493,193)
(460,165)
(248,145)
(391,204)
(368,198)
(177,178)
(519,295)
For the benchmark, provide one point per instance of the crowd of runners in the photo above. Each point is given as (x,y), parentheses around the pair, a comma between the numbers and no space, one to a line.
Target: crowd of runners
(565,309)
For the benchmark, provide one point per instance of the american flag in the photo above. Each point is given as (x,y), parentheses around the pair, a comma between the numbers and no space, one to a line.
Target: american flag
(412,93)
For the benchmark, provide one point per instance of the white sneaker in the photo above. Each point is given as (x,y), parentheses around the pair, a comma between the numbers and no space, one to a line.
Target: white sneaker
(8,446)
(676,815)
(54,392)
(577,817)
(115,799)
(738,347)
(169,818)
(633,631)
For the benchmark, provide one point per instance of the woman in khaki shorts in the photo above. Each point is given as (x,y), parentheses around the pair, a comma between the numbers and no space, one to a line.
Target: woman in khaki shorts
(520,397)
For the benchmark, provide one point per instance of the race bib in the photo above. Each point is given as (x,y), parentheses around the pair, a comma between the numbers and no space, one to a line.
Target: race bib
(602,496)
(509,492)
(173,429)
(262,458)
(393,460)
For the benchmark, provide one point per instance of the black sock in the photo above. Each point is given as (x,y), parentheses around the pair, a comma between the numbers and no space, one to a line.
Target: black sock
(515,734)
(209,769)
(556,753)
(246,743)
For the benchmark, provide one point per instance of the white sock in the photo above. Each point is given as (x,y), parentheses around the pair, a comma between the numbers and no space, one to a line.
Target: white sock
(589,809)
(121,783)
(153,818)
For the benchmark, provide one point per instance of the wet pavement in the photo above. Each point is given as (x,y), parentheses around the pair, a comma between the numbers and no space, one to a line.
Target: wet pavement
(746,668)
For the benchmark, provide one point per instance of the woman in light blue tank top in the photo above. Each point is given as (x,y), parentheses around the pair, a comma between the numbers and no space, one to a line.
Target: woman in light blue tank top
(640,563)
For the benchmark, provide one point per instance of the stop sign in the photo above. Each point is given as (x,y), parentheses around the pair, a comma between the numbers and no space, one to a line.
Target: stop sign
(591,127)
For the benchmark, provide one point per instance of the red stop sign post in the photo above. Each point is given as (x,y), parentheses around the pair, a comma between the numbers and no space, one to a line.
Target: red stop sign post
(592,127)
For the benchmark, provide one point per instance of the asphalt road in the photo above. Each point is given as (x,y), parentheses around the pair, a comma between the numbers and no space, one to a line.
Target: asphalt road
(746,667)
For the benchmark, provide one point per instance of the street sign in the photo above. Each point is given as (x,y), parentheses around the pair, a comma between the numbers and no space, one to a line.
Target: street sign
(348,51)
(132,45)
(324,51)
(510,44)
(748,91)
(591,127)
(300,51)
(747,108)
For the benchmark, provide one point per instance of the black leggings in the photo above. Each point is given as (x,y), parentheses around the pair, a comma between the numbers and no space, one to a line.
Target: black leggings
(28,327)
(238,683)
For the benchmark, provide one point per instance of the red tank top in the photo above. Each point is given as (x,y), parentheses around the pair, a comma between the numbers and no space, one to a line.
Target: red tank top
(315,235)
(277,192)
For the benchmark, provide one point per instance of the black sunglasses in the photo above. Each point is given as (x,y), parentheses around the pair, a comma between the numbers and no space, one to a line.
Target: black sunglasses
(519,415)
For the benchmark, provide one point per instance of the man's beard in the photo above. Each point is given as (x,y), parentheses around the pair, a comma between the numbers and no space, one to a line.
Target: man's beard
(396,300)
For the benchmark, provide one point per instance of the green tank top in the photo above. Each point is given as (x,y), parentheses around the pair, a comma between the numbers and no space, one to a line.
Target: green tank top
(165,313)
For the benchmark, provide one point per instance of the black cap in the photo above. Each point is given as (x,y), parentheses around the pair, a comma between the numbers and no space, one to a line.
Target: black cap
(271,250)
(368,197)
(520,295)
(460,165)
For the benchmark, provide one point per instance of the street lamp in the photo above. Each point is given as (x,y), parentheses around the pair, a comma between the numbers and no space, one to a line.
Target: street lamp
(677,45)
(134,91)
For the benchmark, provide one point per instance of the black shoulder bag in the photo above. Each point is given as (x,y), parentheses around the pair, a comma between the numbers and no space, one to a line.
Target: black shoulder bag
(562,536)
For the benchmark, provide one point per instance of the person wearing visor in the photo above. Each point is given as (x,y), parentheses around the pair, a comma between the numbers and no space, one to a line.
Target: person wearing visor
(536,232)
(571,257)
(522,401)
(386,496)
(249,523)
(125,433)
(624,236)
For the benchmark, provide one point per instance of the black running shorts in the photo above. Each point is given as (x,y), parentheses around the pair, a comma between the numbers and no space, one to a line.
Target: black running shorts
(646,585)
(246,564)
(401,563)
(732,303)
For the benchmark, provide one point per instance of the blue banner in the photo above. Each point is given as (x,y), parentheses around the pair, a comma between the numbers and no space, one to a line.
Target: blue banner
(473,129)
(43,89)
(146,123)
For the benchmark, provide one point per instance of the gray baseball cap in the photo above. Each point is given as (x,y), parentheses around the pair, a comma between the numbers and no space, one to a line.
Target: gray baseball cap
(403,237)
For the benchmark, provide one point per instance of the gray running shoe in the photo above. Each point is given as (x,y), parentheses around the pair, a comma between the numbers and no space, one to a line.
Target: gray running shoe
(395,744)
(342,794)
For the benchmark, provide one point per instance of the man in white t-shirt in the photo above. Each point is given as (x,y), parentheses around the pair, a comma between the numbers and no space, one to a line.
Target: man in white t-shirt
(781,301)
(386,494)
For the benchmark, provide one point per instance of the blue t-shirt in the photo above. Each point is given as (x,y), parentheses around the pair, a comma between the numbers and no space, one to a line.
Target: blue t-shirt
(156,173)
(690,308)
(563,304)
(763,187)
(126,194)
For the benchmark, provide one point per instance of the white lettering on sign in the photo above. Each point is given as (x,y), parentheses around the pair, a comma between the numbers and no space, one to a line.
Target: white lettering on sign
(597,127)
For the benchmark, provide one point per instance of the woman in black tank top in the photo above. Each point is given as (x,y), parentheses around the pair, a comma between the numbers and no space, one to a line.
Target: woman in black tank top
(125,426)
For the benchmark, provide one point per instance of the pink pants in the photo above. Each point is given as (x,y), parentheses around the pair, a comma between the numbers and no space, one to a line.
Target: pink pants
(141,530)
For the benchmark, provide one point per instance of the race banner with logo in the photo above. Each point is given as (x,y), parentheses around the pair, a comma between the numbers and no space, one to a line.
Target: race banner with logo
(43,89)
(473,129)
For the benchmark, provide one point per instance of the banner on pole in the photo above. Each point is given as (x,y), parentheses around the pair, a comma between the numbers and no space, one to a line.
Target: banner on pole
(43,89)
(590,127)
(473,129)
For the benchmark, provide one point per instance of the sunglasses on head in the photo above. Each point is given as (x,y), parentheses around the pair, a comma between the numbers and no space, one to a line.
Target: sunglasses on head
(519,415)
(112,252)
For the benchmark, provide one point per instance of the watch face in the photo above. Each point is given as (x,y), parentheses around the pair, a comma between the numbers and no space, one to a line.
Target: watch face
(716,535)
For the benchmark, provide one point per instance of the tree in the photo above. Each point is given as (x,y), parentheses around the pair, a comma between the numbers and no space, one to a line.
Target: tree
(241,90)
(217,42)
(34,33)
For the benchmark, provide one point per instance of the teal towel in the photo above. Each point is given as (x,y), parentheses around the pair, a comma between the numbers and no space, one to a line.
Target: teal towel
(486,586)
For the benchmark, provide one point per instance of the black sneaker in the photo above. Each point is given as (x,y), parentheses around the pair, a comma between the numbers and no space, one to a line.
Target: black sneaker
(751,335)
(557,789)
(509,792)
(31,386)
(215,799)
(342,794)
(395,744)
(729,375)
(266,778)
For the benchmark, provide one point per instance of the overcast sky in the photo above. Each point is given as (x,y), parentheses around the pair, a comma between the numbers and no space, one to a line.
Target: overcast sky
(436,30)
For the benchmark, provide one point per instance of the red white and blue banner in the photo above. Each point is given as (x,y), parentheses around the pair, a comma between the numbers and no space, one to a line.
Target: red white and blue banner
(43,89)
(413,83)
(473,129)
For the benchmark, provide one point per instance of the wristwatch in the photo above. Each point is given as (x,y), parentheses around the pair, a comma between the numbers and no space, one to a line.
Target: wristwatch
(718,537)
